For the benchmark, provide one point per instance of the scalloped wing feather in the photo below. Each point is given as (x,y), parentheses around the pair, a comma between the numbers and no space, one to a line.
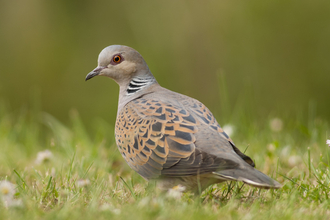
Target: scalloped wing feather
(157,139)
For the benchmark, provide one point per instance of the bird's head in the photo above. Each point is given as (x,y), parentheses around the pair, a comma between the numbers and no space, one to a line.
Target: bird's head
(120,63)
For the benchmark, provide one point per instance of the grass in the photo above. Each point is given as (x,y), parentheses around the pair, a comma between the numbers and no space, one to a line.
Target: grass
(296,156)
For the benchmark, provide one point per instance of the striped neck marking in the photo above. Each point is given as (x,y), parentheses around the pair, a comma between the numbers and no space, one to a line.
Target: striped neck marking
(137,84)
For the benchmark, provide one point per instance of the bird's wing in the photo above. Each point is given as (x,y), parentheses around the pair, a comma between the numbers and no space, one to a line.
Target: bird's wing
(158,139)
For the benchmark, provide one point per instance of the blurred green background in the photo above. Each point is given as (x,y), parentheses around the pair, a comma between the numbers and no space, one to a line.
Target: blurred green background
(262,57)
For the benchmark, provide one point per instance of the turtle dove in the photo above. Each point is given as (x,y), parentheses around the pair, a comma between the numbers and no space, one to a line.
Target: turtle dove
(168,136)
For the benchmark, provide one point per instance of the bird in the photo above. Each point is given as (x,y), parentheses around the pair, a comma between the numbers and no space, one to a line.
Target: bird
(167,136)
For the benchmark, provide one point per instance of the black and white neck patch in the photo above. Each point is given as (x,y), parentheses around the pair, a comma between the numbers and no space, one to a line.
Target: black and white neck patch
(136,84)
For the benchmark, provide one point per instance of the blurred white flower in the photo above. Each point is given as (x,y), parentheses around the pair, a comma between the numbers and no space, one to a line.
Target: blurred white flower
(176,192)
(285,151)
(276,124)
(7,189)
(229,129)
(328,143)
(43,156)
(7,192)
(271,147)
(83,182)
(294,160)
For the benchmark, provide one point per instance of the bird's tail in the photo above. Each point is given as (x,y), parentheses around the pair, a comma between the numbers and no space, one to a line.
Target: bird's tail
(249,176)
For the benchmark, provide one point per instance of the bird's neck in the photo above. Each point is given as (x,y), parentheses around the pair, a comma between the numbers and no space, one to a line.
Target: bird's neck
(136,87)
(138,83)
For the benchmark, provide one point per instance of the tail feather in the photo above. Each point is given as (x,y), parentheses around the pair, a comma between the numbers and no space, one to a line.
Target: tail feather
(249,176)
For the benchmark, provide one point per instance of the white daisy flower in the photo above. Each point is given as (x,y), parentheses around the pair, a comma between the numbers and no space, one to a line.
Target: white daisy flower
(328,143)
(43,156)
(7,192)
(7,189)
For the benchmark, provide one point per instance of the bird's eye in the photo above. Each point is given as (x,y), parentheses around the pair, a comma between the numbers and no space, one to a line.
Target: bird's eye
(116,58)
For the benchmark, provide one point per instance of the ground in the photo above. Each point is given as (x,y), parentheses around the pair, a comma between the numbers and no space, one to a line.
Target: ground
(75,171)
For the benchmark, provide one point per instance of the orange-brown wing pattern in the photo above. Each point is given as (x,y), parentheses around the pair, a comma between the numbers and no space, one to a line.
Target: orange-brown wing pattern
(151,136)
(158,139)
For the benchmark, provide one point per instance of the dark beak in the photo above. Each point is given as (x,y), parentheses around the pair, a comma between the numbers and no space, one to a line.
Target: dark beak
(95,72)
